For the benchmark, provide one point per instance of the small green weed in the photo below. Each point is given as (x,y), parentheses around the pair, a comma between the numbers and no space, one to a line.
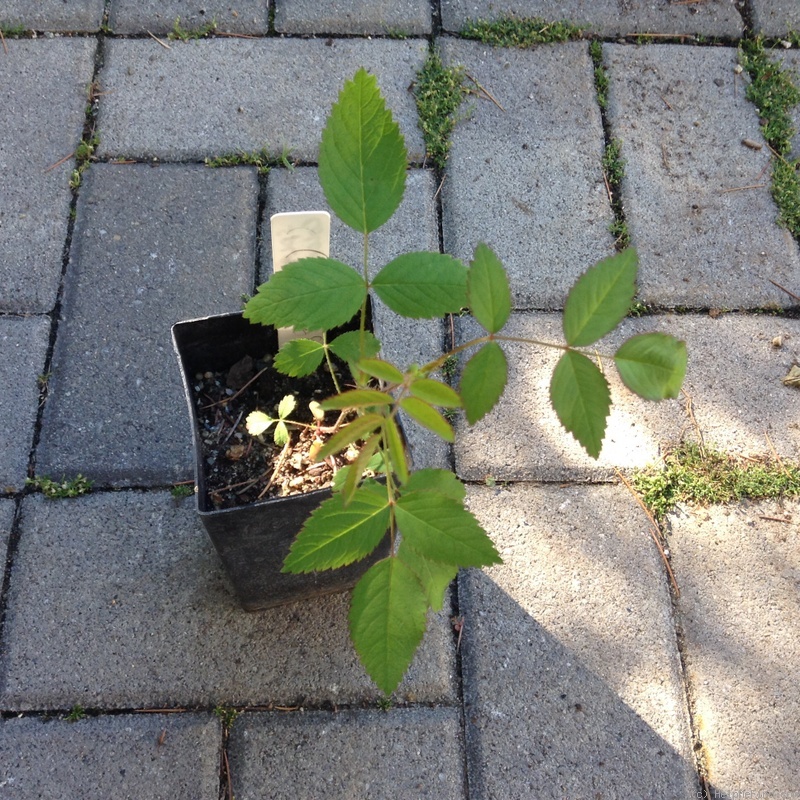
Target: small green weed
(384,703)
(600,75)
(11,31)
(184,34)
(77,712)
(700,476)
(60,489)
(510,31)
(182,490)
(450,366)
(227,716)
(638,309)
(614,171)
(260,159)
(613,162)
(439,92)
(84,153)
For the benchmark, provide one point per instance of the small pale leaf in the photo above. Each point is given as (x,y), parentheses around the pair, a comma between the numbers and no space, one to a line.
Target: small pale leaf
(581,398)
(286,406)
(281,434)
(257,422)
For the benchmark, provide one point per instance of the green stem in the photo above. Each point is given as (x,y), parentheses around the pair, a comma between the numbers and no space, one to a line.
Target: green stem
(330,362)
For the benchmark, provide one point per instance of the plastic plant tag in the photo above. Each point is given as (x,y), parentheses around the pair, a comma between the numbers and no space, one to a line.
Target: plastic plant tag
(296,235)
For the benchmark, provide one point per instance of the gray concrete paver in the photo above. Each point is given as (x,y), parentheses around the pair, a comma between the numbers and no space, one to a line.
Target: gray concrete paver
(52,15)
(127,757)
(606,17)
(405,752)
(790,61)
(572,684)
(738,569)
(6,519)
(413,227)
(152,246)
(23,346)
(127,584)
(43,96)
(527,179)
(219,96)
(776,17)
(740,404)
(163,16)
(704,238)
(404,18)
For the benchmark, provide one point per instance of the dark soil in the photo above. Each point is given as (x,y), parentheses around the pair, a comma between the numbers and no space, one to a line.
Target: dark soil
(241,468)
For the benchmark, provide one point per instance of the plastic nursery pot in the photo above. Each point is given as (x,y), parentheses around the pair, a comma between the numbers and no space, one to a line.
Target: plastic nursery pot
(252,540)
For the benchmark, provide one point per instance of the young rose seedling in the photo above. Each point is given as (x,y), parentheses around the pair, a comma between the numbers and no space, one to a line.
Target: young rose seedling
(362,169)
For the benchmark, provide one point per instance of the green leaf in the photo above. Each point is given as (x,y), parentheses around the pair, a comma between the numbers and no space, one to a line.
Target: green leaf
(286,406)
(600,298)
(299,357)
(337,533)
(362,156)
(352,432)
(357,468)
(281,434)
(653,365)
(581,398)
(348,346)
(428,417)
(435,392)
(434,576)
(381,369)
(388,616)
(488,293)
(442,481)
(423,285)
(440,528)
(357,398)
(309,294)
(396,448)
(483,381)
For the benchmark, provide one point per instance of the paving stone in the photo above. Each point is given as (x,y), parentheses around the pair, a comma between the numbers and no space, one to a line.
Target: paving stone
(606,17)
(572,684)
(6,519)
(159,16)
(738,569)
(413,227)
(23,346)
(218,96)
(43,95)
(406,752)
(527,180)
(791,61)
(775,17)
(408,17)
(152,246)
(52,15)
(733,379)
(126,757)
(682,116)
(127,584)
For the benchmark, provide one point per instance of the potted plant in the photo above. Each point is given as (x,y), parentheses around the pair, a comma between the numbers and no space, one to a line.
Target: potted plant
(409,531)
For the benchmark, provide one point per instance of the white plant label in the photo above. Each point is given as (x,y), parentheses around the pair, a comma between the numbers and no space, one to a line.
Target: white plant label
(296,235)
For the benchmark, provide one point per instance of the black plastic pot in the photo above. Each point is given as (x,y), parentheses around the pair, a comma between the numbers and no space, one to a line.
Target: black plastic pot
(253,541)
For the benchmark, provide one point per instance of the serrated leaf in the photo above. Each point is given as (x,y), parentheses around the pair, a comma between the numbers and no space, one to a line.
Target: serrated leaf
(348,346)
(286,406)
(382,370)
(483,381)
(396,448)
(257,422)
(440,528)
(600,298)
(362,156)
(488,293)
(299,357)
(281,434)
(581,398)
(442,481)
(423,285)
(359,428)
(653,365)
(337,533)
(309,294)
(358,466)
(434,576)
(388,616)
(357,398)
(428,417)
(435,392)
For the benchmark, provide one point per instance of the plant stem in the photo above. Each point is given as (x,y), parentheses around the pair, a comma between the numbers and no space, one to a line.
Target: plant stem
(330,363)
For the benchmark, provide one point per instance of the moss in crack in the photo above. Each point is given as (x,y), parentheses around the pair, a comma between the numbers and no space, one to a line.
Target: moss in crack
(185,34)
(701,476)
(512,31)
(260,159)
(439,92)
(614,171)
(600,75)
(774,93)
